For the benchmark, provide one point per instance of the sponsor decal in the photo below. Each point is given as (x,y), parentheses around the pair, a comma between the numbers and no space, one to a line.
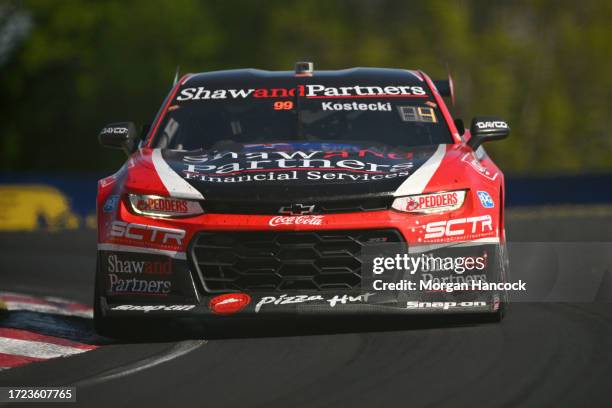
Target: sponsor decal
(229,303)
(438,201)
(485,199)
(151,203)
(136,286)
(492,125)
(147,233)
(458,229)
(471,159)
(299,299)
(154,308)
(443,305)
(308,91)
(144,267)
(116,130)
(296,220)
(273,176)
(380,106)
(157,206)
(365,165)
(110,205)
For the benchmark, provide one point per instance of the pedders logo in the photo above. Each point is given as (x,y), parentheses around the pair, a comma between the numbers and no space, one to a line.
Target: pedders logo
(296,220)
(433,201)
(437,200)
(229,303)
(162,204)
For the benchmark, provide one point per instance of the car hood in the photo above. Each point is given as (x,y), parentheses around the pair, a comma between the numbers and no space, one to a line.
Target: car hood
(290,172)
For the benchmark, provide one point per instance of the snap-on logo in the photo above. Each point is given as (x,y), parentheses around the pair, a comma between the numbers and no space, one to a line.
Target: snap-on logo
(229,303)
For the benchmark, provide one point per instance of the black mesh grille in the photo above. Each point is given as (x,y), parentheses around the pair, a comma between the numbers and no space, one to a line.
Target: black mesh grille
(284,260)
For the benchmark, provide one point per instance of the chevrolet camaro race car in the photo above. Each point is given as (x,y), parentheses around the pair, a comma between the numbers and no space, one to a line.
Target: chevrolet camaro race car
(271,193)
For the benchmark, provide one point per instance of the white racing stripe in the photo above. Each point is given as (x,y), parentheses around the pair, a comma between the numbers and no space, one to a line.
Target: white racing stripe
(36,349)
(416,183)
(129,248)
(175,184)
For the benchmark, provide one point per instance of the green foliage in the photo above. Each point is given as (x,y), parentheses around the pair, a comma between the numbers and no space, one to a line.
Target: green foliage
(544,65)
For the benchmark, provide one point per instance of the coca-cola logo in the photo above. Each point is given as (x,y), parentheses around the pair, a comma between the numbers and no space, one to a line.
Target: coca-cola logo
(296,220)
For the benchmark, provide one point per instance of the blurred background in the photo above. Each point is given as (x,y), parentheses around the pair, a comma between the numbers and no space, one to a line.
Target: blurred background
(69,67)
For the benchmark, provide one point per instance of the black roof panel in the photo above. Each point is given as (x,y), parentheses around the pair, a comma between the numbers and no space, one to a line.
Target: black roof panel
(350,75)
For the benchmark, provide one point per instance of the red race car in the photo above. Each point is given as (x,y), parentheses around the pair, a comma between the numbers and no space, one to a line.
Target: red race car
(260,193)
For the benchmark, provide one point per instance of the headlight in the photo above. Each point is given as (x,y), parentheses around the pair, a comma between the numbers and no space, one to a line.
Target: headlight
(156,206)
(430,203)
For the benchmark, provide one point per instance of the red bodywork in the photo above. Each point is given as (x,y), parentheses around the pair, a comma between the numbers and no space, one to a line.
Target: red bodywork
(460,169)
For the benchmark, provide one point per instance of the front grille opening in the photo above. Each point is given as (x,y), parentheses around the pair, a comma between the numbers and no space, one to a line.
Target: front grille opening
(271,261)
(322,206)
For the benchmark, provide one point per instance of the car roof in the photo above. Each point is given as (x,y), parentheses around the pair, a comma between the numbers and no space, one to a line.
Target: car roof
(356,75)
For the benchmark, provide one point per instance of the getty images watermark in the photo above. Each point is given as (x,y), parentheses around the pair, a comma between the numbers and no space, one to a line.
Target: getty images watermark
(459,273)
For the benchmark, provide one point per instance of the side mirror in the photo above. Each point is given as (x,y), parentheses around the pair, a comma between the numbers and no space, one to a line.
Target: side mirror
(121,135)
(487,128)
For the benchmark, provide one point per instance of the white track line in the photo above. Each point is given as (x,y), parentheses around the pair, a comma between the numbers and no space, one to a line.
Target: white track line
(176,351)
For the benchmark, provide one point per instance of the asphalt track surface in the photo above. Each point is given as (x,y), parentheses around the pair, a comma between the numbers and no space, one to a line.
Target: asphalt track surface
(542,354)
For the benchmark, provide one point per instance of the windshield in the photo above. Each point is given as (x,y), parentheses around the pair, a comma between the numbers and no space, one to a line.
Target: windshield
(215,118)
